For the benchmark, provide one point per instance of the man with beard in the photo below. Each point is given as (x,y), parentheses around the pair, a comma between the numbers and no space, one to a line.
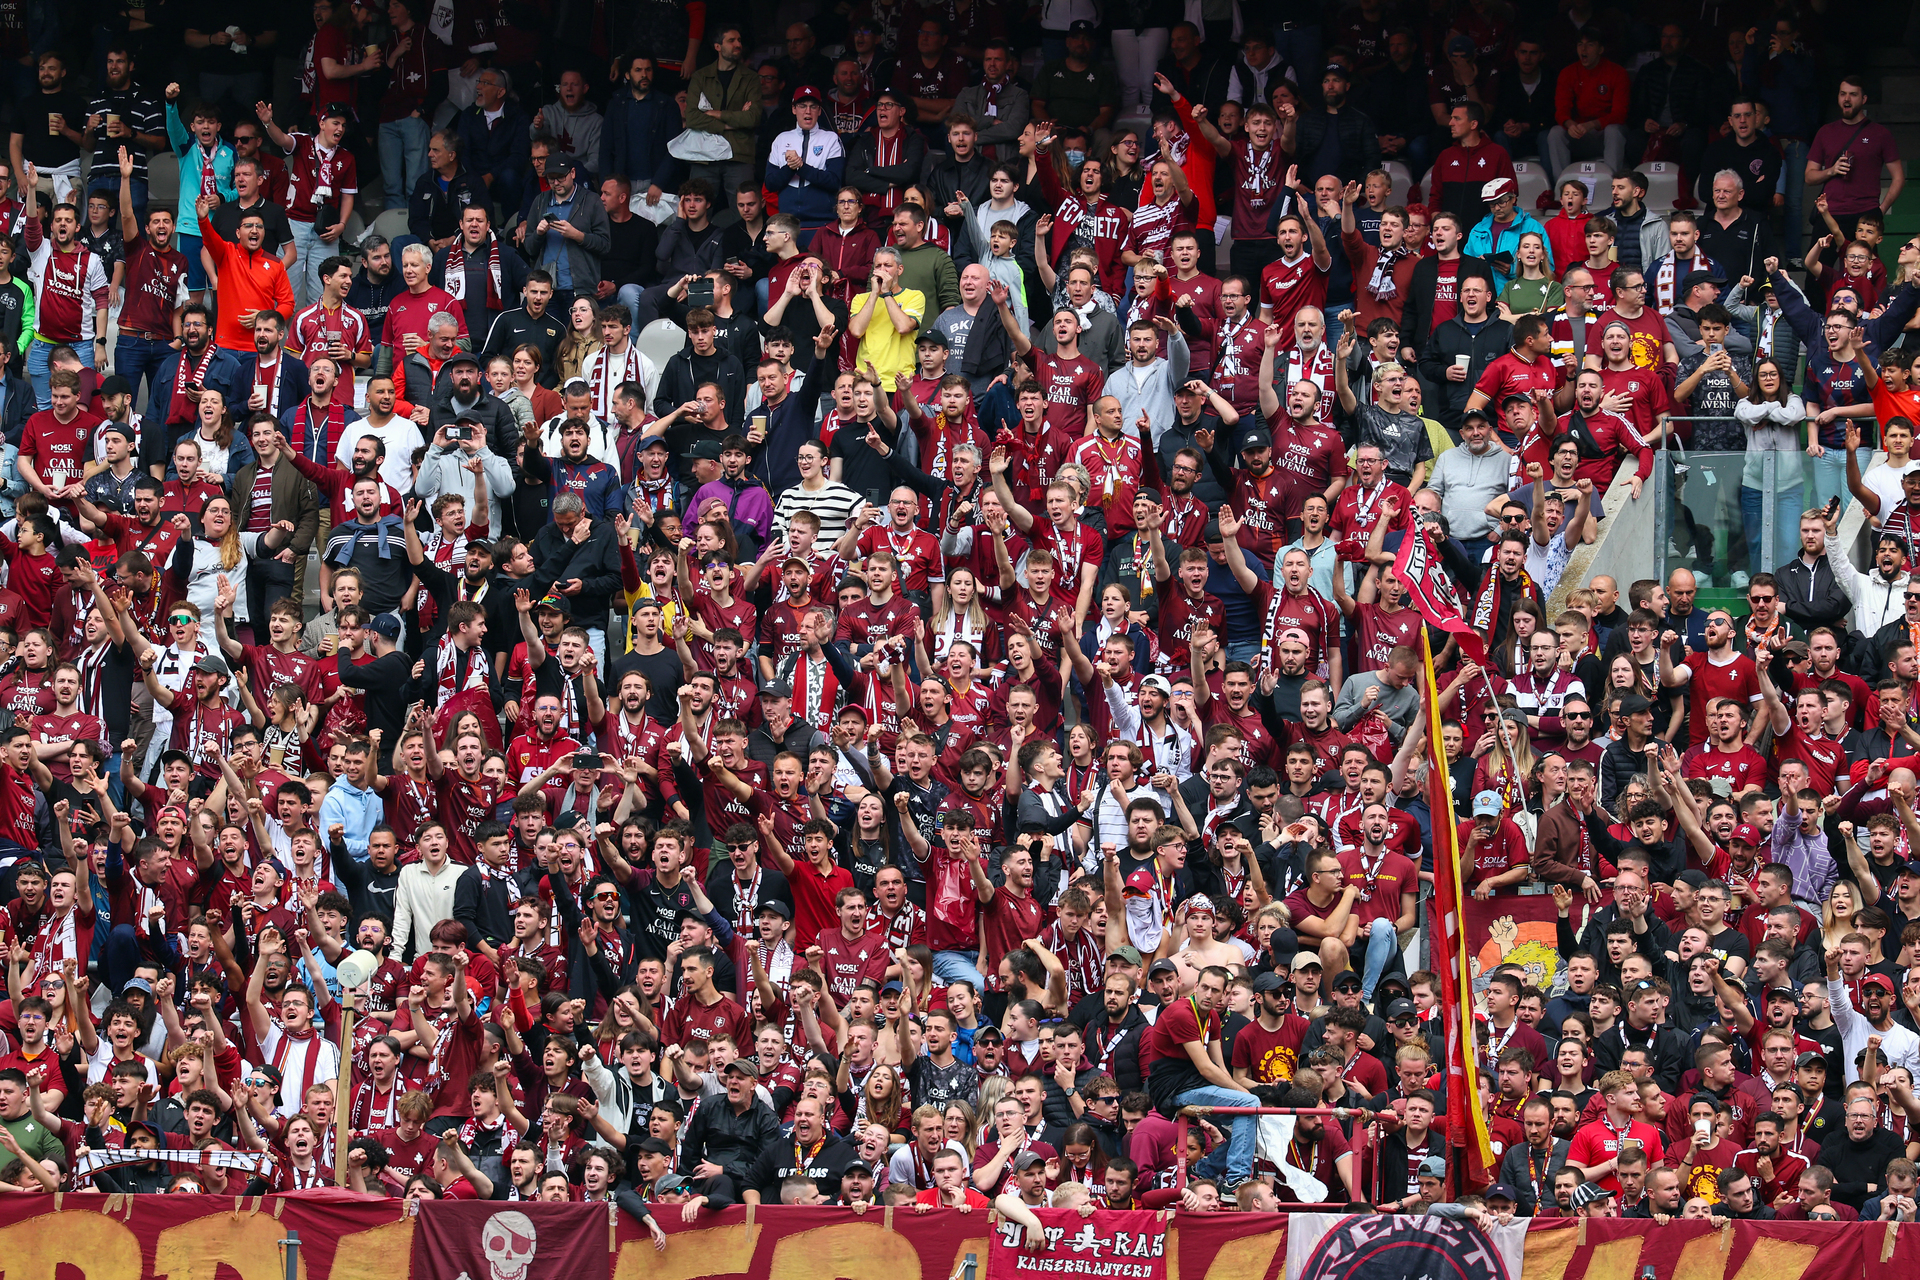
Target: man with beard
(280,379)
(364,543)
(156,274)
(1146,720)
(1529,1167)
(173,403)
(1188,605)
(463,393)
(1319,1148)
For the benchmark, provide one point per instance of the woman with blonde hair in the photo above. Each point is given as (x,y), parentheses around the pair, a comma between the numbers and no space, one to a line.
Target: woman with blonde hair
(1166,205)
(1842,908)
(1533,288)
(961,1126)
(217,572)
(960,617)
(582,340)
(992,1089)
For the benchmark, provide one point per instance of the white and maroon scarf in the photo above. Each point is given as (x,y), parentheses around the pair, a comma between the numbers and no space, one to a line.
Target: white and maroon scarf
(312,1046)
(1380,285)
(179,408)
(609,371)
(446,685)
(457,271)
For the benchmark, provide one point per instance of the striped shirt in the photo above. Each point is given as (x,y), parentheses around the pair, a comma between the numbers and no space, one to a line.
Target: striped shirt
(139,113)
(835,504)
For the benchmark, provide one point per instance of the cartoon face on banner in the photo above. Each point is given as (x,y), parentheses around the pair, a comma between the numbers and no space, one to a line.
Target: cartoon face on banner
(1516,930)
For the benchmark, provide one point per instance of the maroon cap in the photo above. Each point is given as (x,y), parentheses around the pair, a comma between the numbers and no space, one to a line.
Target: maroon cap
(807,93)
(1748,834)
(1880,980)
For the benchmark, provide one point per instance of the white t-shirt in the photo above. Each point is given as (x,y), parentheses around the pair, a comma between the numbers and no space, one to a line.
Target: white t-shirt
(1884,481)
(102,1062)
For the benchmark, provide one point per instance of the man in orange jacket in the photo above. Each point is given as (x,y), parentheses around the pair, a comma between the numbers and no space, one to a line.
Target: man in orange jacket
(1590,104)
(251,279)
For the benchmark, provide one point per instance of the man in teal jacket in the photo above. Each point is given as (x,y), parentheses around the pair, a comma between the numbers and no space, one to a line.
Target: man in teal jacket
(1500,231)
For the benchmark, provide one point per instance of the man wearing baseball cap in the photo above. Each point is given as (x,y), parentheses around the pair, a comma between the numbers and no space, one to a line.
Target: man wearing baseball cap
(1077,91)
(567,231)
(1494,846)
(806,165)
(323,181)
(1874,1017)
(1496,237)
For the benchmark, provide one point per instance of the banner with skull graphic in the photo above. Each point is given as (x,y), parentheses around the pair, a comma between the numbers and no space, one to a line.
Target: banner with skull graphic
(485,1240)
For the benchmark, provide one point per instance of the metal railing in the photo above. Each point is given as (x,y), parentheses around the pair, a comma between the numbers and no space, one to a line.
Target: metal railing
(1705,520)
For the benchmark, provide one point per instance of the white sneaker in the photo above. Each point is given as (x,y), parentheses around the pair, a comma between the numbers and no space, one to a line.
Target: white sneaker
(1702,580)
(1739,580)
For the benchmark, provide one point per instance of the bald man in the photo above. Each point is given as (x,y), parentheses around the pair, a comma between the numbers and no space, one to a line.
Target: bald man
(1684,618)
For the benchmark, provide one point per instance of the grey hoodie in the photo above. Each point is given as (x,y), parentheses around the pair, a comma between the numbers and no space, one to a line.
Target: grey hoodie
(1466,483)
(577,133)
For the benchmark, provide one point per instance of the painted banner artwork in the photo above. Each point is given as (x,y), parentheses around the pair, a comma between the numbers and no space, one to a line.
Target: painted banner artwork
(1105,1245)
(345,1236)
(1516,928)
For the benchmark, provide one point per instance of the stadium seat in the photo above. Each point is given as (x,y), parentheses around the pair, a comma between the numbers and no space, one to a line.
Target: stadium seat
(390,223)
(658,342)
(1594,175)
(1402,181)
(1663,184)
(1533,183)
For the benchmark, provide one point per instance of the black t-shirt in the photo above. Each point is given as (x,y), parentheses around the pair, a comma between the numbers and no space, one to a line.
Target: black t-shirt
(664,675)
(210,16)
(226,220)
(631,259)
(939,1086)
(824,1166)
(30,112)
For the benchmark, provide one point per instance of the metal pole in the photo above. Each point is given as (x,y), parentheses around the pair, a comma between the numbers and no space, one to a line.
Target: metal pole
(290,1250)
(342,1095)
(1763,562)
(1661,530)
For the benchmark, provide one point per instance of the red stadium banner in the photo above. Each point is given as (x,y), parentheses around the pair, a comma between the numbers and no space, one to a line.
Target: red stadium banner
(346,1236)
(495,1240)
(1105,1245)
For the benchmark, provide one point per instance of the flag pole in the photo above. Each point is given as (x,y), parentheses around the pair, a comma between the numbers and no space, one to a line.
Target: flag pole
(1467,1128)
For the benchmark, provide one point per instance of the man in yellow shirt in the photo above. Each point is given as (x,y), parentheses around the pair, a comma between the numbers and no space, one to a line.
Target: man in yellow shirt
(885,317)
